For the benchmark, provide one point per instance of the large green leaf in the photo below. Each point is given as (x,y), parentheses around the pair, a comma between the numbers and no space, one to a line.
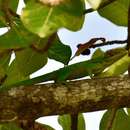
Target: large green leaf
(121,121)
(81,122)
(117,12)
(55,49)
(9,126)
(26,62)
(17,37)
(65,122)
(44,20)
(60,52)
(30,61)
(13,74)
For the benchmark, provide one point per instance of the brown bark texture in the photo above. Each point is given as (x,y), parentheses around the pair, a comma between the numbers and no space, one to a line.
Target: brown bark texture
(32,102)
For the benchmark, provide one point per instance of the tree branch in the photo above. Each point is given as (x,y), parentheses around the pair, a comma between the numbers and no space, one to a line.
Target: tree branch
(32,102)
(109,43)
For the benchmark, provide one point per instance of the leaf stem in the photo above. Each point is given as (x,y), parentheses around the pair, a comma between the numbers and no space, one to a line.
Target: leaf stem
(74,121)
(128,38)
(111,119)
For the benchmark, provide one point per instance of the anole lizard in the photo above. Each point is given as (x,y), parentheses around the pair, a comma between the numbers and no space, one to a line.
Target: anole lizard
(74,71)
(70,72)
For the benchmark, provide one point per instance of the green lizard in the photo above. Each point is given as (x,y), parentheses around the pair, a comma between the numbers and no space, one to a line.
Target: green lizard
(70,72)
(74,71)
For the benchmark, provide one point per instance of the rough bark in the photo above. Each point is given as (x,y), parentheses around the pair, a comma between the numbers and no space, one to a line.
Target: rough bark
(32,102)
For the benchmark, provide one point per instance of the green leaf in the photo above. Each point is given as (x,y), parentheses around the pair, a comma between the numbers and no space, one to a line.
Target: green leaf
(121,121)
(30,61)
(44,20)
(119,67)
(26,62)
(13,74)
(117,12)
(2,20)
(128,111)
(98,53)
(13,4)
(56,49)
(9,126)
(17,37)
(65,122)
(60,52)
(81,122)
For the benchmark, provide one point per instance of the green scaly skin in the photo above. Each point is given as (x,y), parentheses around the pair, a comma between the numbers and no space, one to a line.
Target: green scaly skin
(74,71)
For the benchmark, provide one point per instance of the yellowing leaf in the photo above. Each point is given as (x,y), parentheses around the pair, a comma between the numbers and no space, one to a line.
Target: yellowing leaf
(119,67)
(95,3)
(44,20)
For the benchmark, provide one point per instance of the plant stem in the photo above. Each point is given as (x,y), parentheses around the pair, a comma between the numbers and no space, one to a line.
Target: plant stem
(128,43)
(74,121)
(109,43)
(111,119)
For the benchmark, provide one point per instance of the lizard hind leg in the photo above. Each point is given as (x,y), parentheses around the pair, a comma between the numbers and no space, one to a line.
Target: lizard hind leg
(63,74)
(62,77)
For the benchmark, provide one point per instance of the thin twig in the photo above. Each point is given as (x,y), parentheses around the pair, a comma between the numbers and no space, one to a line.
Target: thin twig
(111,119)
(128,43)
(74,121)
(13,13)
(109,43)
(104,4)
